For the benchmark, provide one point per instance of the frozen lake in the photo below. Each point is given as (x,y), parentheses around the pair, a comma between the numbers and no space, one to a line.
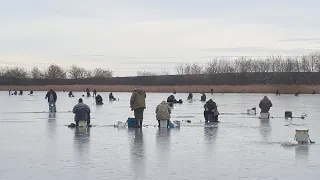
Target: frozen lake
(38,145)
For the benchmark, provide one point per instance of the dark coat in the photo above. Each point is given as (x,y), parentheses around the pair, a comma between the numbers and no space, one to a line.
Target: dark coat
(54,96)
(265,105)
(82,112)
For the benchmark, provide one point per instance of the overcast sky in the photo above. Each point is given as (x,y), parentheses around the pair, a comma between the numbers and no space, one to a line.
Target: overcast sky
(131,35)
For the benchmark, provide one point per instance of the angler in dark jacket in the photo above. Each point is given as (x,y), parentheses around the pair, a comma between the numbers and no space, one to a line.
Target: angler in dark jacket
(82,112)
(190,96)
(265,105)
(52,98)
(203,97)
(111,97)
(88,92)
(171,99)
(70,94)
(94,93)
(211,108)
(99,100)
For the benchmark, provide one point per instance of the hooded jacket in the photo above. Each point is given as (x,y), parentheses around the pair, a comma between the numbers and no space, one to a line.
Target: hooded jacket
(211,106)
(163,111)
(81,111)
(54,95)
(171,98)
(265,104)
(138,99)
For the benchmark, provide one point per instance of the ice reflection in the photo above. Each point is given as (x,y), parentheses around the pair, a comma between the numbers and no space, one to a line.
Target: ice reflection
(265,129)
(163,144)
(137,152)
(52,124)
(82,140)
(302,152)
(210,136)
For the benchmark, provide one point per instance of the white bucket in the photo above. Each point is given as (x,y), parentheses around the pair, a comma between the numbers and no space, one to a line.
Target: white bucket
(82,123)
(251,111)
(176,124)
(302,135)
(163,124)
(264,115)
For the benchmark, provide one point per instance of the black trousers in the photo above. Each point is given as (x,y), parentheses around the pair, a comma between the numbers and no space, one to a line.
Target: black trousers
(206,113)
(138,114)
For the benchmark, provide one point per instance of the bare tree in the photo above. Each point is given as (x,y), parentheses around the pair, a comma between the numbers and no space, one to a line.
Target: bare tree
(15,72)
(35,73)
(305,64)
(55,72)
(76,72)
(179,69)
(102,73)
(212,67)
(164,72)
(196,69)
(146,73)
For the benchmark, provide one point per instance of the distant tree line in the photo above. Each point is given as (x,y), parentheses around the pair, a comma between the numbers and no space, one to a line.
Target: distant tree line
(305,63)
(55,72)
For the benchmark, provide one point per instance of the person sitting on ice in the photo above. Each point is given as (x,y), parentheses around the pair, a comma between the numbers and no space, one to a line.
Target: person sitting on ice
(99,100)
(70,94)
(82,112)
(203,97)
(265,105)
(111,97)
(190,96)
(163,112)
(171,99)
(211,111)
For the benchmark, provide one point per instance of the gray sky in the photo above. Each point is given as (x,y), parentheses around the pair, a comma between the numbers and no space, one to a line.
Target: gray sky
(127,36)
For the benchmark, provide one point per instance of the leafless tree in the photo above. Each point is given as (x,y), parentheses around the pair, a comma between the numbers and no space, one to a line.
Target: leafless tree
(164,72)
(305,65)
(102,73)
(196,69)
(35,73)
(179,69)
(76,72)
(15,72)
(146,73)
(55,72)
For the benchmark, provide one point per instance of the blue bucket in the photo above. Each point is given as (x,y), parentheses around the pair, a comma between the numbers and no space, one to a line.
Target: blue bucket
(132,122)
(171,125)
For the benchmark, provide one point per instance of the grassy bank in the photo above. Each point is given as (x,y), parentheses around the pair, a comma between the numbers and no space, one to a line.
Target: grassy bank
(284,89)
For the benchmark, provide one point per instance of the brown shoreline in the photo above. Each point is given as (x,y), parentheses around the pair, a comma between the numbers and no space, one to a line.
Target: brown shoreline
(283,89)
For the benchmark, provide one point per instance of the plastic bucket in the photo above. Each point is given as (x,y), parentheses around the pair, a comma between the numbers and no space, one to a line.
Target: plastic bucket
(264,115)
(82,123)
(132,122)
(164,124)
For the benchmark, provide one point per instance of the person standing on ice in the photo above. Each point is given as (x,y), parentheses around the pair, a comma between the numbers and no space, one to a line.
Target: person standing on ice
(265,105)
(138,104)
(52,98)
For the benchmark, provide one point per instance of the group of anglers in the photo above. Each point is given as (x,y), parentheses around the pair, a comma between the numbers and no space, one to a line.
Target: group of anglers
(138,105)
(98,97)
(20,93)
